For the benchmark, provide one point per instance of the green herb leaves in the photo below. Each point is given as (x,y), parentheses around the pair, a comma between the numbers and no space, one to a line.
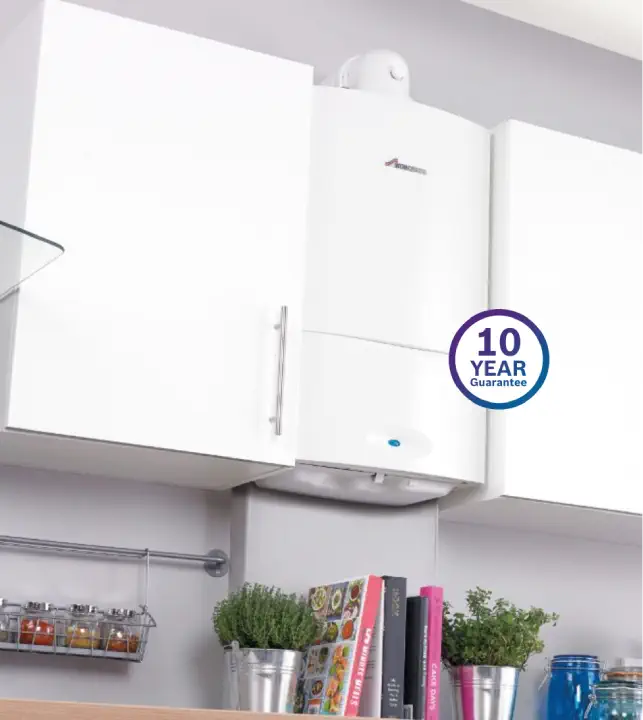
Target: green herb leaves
(499,634)
(264,617)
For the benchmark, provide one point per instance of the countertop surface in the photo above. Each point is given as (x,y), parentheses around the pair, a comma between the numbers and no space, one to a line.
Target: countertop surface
(35,710)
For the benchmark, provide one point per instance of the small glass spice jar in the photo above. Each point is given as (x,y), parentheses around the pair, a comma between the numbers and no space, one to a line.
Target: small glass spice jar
(5,622)
(82,630)
(121,632)
(611,700)
(37,624)
(624,673)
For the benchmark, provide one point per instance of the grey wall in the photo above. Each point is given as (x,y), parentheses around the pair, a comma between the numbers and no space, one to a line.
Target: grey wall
(183,664)
(463,59)
(297,542)
(292,542)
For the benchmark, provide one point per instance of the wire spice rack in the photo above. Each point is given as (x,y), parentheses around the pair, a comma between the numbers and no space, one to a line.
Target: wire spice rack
(86,630)
(81,630)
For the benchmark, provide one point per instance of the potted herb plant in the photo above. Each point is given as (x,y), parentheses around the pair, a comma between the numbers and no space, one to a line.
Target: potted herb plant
(264,633)
(485,649)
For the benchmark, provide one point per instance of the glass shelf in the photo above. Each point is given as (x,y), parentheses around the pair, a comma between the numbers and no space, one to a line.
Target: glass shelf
(22,254)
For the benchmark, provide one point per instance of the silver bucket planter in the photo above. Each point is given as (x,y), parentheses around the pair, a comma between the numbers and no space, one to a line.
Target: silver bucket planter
(261,680)
(484,692)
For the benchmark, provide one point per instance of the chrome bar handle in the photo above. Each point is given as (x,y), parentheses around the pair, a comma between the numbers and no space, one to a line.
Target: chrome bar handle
(282,326)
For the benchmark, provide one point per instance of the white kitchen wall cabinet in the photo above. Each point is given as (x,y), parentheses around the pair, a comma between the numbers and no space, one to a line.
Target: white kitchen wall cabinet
(567,251)
(174,169)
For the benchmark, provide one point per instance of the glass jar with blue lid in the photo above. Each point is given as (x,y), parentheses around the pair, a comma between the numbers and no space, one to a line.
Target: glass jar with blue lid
(569,682)
(612,700)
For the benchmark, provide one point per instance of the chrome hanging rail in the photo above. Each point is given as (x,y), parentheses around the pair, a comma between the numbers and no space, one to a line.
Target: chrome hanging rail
(215,563)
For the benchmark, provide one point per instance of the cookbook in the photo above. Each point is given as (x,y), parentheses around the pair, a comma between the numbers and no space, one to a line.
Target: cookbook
(394,642)
(383,691)
(335,666)
(415,666)
(371,699)
(435,598)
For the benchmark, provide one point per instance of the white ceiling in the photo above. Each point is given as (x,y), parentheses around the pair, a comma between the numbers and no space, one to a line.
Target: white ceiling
(611,24)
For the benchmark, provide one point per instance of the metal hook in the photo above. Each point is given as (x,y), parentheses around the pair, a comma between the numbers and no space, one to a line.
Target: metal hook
(147,577)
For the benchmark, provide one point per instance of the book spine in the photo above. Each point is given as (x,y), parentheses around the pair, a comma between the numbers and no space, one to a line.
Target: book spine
(370,606)
(416,654)
(435,597)
(371,700)
(393,647)
(425,644)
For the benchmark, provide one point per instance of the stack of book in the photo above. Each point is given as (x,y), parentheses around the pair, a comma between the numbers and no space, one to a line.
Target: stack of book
(378,652)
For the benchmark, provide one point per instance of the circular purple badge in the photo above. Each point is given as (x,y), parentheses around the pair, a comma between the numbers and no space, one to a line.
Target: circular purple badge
(499,359)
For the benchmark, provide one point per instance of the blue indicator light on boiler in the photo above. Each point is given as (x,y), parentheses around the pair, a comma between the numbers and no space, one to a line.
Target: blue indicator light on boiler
(394,443)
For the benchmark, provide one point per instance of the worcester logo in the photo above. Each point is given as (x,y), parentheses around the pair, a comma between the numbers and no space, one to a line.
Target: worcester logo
(401,166)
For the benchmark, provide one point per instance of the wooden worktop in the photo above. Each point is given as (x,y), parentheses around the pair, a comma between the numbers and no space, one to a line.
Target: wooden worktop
(31,710)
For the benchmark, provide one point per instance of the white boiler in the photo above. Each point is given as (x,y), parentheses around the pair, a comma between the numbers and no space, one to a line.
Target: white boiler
(396,262)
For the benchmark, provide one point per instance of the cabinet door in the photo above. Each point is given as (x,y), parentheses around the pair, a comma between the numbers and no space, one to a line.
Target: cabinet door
(174,169)
(567,253)
(380,407)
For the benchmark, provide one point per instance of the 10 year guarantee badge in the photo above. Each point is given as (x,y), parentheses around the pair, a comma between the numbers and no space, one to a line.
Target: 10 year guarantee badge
(499,359)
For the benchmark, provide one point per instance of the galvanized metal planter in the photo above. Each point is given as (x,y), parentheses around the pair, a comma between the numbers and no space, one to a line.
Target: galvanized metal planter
(261,680)
(484,692)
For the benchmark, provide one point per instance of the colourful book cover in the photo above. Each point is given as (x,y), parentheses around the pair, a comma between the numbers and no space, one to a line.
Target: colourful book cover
(335,666)
(435,596)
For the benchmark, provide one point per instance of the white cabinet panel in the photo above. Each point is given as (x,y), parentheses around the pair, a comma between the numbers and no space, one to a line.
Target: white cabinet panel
(567,252)
(368,405)
(175,171)
(397,250)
